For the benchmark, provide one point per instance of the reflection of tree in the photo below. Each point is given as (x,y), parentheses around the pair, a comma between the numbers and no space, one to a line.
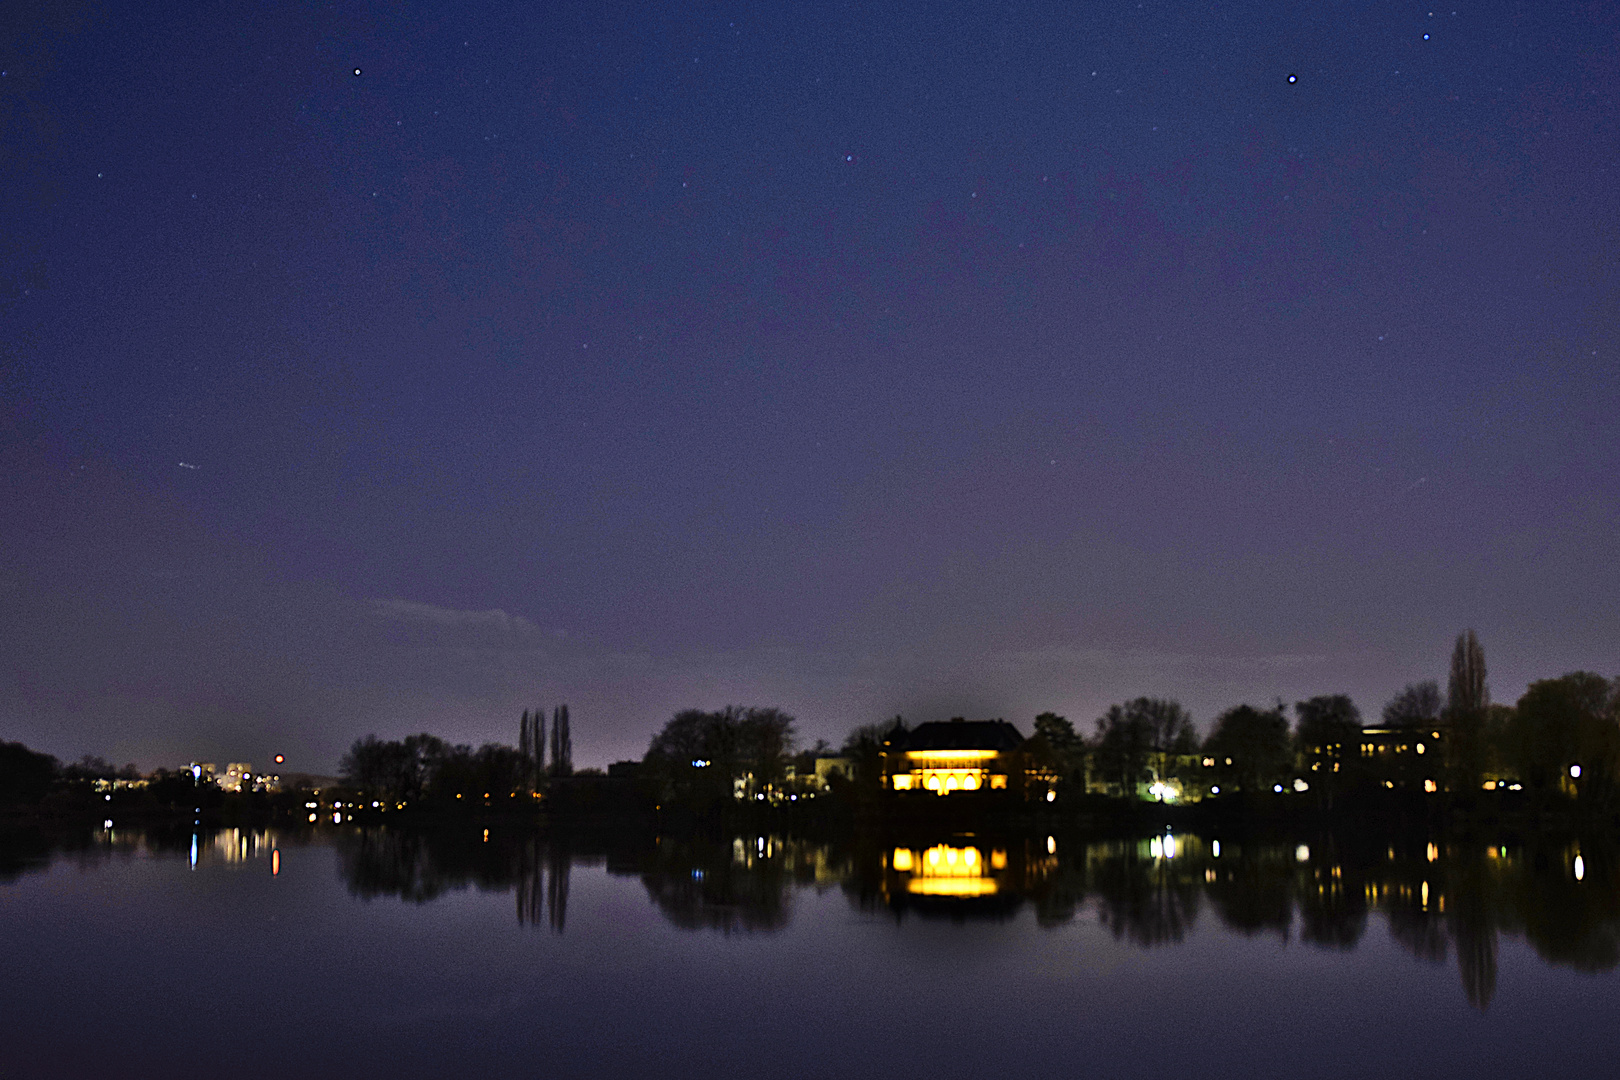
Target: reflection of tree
(1332,906)
(21,851)
(1252,892)
(1472,924)
(1147,901)
(1570,922)
(1421,933)
(707,884)
(558,864)
(421,865)
(542,884)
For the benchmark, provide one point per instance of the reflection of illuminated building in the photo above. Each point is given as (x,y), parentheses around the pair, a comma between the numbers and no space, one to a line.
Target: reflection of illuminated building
(943,870)
(951,758)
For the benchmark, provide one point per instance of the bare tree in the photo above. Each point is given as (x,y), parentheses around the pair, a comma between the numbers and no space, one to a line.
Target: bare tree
(1418,703)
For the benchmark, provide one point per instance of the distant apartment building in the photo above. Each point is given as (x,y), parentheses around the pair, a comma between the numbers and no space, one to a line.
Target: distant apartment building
(1404,757)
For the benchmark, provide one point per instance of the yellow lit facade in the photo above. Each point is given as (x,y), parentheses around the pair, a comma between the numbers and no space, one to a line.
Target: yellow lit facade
(953,758)
(945,772)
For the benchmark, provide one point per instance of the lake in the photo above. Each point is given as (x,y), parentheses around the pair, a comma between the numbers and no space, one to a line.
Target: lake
(462,951)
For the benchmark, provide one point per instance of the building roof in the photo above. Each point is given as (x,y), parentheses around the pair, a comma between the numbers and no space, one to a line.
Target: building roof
(959,735)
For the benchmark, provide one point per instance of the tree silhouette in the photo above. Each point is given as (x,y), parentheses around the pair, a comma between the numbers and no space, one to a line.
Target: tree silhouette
(1250,747)
(1468,701)
(1417,703)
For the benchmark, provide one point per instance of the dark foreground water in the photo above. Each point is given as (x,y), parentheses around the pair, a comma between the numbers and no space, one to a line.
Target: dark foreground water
(392,953)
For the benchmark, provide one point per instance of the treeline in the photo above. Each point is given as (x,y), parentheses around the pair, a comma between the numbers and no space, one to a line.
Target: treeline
(29,778)
(426,768)
(1562,735)
(701,759)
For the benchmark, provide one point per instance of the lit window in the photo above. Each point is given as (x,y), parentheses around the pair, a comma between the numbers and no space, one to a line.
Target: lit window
(902,860)
(998,782)
(902,782)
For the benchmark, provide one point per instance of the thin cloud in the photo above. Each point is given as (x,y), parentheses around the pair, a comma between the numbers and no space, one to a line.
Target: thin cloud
(494,619)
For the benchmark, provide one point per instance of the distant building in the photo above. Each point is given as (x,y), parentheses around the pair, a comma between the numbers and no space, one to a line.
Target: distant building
(829,767)
(237,776)
(952,757)
(1404,757)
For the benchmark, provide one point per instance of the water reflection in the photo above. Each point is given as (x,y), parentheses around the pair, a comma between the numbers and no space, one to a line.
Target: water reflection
(419,866)
(1442,900)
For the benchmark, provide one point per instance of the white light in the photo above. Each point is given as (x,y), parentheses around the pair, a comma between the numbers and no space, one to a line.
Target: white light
(1216,790)
(1277,788)
(107,797)
(1580,868)
(1051,796)
(1156,848)
(1169,846)
(1575,772)
(337,819)
(1215,849)
(107,824)
(1302,853)
(196,772)
(1051,845)
(1300,785)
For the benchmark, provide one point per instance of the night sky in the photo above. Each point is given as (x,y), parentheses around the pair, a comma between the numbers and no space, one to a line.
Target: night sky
(401,367)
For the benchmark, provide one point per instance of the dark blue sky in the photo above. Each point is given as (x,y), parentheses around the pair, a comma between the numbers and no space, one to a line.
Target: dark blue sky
(944,359)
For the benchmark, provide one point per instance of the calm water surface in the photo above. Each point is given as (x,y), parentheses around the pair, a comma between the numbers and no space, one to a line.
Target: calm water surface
(395,953)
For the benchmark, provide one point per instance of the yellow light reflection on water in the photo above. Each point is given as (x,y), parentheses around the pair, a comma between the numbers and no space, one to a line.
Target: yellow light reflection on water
(952,886)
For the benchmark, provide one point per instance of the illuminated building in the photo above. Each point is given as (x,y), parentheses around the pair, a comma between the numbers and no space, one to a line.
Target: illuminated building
(238,774)
(1404,757)
(952,758)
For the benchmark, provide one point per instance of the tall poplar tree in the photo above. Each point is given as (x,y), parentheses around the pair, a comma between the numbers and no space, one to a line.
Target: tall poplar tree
(1468,700)
(562,743)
